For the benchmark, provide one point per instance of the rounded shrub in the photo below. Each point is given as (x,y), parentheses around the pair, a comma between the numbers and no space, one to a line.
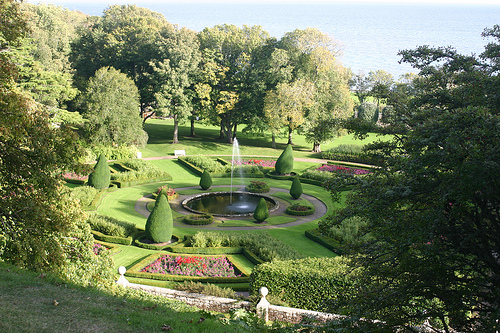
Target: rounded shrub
(261,212)
(300,210)
(101,176)
(205,180)
(284,164)
(160,223)
(296,188)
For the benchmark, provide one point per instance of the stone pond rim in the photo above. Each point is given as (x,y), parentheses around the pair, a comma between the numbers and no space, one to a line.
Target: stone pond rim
(220,204)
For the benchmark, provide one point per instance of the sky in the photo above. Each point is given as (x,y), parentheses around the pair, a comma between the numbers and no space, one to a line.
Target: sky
(145,2)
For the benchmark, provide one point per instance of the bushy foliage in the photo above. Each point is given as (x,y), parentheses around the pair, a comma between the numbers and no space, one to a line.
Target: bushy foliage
(257,186)
(205,180)
(159,225)
(206,163)
(84,194)
(284,164)
(350,153)
(349,231)
(140,170)
(110,226)
(263,245)
(261,212)
(323,280)
(368,111)
(93,152)
(197,219)
(101,175)
(298,209)
(296,188)
(318,175)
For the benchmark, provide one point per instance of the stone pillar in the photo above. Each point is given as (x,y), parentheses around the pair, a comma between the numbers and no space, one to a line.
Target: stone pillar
(263,305)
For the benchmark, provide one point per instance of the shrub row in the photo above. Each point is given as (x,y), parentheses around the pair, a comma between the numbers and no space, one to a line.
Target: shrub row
(350,153)
(321,279)
(264,246)
(138,172)
(110,226)
(111,239)
(139,241)
(329,243)
(252,171)
(112,153)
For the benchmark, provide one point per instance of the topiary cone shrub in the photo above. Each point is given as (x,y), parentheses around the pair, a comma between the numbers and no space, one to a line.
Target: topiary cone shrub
(101,176)
(296,188)
(284,164)
(205,180)
(261,212)
(160,223)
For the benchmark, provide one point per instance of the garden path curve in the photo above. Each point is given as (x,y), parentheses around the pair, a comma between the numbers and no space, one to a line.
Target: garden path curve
(321,209)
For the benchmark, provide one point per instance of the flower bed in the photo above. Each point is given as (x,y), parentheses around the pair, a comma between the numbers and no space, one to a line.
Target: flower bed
(263,163)
(300,210)
(99,248)
(256,186)
(342,169)
(192,266)
(171,194)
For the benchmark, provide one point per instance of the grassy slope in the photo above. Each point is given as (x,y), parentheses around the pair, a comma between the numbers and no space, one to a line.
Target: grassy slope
(27,305)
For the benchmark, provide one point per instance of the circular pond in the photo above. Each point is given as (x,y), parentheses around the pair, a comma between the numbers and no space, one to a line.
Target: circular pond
(227,204)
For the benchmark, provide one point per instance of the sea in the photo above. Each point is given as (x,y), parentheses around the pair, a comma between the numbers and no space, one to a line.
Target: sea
(371,34)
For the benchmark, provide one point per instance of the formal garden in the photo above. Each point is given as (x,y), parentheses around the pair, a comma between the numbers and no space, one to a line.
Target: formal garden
(210,247)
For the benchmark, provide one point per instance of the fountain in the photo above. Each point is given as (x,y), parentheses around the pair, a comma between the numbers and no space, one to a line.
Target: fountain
(231,203)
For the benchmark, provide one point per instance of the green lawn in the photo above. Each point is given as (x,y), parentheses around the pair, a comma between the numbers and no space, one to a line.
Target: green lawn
(120,203)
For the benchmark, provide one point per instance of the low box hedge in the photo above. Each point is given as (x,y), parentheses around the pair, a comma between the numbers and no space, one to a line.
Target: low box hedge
(112,239)
(138,242)
(206,250)
(316,236)
(290,211)
(198,219)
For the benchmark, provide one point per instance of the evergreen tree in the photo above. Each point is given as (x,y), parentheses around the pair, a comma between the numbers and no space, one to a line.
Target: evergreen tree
(296,188)
(160,223)
(101,175)
(284,164)
(261,212)
(205,180)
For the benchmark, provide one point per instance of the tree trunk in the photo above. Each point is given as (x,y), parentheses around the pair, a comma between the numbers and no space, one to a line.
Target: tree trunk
(221,133)
(192,128)
(176,130)
(290,141)
(316,147)
(273,141)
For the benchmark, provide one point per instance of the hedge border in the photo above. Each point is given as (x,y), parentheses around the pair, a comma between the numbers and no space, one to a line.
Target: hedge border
(134,271)
(112,239)
(189,219)
(310,211)
(316,236)
(137,242)
(199,171)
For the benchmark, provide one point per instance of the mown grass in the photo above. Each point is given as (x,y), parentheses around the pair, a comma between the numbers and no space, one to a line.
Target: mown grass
(32,302)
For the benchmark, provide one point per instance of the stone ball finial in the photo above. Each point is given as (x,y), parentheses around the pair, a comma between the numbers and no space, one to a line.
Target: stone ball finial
(122,270)
(263,291)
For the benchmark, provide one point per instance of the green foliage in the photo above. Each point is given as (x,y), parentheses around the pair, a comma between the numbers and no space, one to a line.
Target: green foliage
(284,164)
(323,280)
(205,180)
(114,153)
(263,245)
(196,219)
(347,153)
(84,194)
(300,210)
(101,175)
(110,226)
(137,169)
(159,225)
(257,186)
(349,231)
(296,188)
(111,105)
(368,112)
(205,163)
(261,212)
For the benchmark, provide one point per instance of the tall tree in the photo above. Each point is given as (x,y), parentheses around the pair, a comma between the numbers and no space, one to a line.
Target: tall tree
(433,208)
(124,38)
(111,106)
(177,73)
(231,51)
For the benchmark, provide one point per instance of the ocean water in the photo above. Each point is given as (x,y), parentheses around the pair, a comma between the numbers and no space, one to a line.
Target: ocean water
(371,35)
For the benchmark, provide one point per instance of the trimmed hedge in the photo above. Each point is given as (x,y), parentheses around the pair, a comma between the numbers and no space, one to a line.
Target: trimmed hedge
(284,163)
(329,243)
(251,172)
(198,219)
(112,239)
(321,279)
(290,211)
(261,212)
(101,176)
(159,224)
(296,188)
(142,236)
